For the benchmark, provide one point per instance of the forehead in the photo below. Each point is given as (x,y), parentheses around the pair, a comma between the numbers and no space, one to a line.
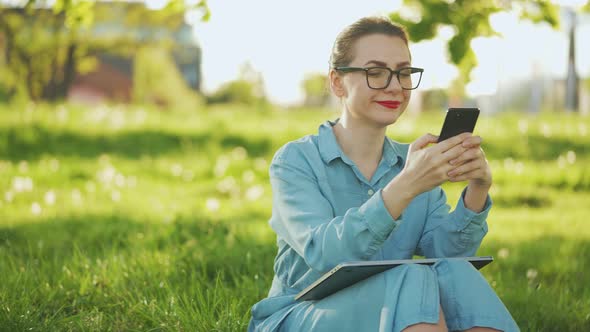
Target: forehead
(391,50)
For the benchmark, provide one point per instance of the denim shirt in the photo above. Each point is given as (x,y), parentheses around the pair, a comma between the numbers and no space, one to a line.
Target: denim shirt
(326,212)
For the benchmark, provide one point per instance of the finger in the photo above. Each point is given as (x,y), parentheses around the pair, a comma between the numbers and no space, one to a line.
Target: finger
(469,154)
(466,168)
(451,142)
(453,153)
(472,141)
(474,174)
(423,141)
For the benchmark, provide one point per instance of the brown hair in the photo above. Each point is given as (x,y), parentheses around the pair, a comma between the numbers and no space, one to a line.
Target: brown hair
(343,49)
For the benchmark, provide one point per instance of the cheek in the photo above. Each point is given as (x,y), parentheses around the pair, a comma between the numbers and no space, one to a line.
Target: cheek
(407,94)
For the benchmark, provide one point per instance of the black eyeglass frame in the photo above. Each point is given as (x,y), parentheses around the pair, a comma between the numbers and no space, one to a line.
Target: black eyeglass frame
(397,72)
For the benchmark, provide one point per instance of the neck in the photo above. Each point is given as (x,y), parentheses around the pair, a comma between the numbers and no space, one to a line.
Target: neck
(360,142)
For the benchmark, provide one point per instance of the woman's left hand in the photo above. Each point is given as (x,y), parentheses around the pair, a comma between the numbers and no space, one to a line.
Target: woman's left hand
(472,165)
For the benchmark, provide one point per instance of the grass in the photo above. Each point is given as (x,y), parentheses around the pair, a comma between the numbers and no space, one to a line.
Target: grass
(126,218)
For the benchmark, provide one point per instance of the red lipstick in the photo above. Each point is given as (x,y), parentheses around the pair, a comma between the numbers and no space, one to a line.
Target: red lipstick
(389,104)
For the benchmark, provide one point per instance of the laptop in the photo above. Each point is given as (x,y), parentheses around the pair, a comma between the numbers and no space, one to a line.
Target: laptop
(349,273)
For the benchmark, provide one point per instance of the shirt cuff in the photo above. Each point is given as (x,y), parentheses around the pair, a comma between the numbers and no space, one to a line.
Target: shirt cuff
(378,219)
(470,216)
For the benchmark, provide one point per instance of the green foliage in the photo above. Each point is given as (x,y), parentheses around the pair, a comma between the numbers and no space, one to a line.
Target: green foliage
(247,89)
(157,80)
(44,46)
(315,87)
(469,19)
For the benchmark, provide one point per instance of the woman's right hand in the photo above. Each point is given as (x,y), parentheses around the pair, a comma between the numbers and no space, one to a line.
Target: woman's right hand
(428,166)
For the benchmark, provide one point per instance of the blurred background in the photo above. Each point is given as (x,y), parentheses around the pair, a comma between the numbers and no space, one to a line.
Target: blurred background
(135,140)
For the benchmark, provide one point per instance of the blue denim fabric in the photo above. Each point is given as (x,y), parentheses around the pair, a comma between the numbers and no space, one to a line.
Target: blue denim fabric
(326,212)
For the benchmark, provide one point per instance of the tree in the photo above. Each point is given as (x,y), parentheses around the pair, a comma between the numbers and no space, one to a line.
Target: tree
(315,87)
(44,45)
(469,19)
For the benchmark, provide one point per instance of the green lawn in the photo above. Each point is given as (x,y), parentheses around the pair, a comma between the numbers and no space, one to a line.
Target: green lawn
(125,218)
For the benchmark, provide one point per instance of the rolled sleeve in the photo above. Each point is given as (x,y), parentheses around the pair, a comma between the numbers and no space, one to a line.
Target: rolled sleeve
(466,215)
(377,217)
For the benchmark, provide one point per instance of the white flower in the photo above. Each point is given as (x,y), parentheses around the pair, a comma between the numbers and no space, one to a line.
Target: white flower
(176,170)
(50,197)
(239,153)
(531,273)
(503,253)
(36,208)
(23,166)
(212,204)
(54,165)
(115,196)
(22,184)
(248,176)
(571,157)
(221,166)
(255,192)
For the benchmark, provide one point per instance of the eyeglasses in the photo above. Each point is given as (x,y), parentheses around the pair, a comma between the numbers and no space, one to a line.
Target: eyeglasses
(378,78)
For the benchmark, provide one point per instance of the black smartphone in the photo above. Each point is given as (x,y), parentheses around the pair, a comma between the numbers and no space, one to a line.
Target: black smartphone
(457,121)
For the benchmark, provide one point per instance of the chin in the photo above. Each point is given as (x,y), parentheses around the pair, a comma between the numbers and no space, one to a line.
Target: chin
(387,118)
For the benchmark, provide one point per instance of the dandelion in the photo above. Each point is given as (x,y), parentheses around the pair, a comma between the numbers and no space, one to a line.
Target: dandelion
(23,166)
(582,129)
(36,208)
(115,196)
(255,192)
(62,113)
(226,185)
(22,184)
(161,284)
(176,170)
(503,253)
(571,157)
(107,175)
(546,130)
(531,274)
(212,204)
(221,166)
(239,153)
(519,168)
(260,164)
(50,197)
(523,126)
(248,176)
(76,196)
(8,196)
(54,165)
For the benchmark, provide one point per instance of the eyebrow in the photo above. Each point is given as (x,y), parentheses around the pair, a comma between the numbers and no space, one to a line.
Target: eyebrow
(383,64)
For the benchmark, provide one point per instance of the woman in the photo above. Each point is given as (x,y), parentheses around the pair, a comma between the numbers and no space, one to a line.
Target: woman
(351,193)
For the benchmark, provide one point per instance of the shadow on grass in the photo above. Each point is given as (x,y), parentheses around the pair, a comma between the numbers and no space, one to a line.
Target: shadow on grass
(30,143)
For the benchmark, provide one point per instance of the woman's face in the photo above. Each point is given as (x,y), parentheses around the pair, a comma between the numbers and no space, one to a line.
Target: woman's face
(363,104)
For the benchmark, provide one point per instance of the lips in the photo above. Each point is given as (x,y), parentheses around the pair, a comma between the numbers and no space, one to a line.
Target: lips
(389,104)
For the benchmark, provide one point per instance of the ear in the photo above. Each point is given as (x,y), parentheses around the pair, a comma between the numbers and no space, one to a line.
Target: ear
(337,84)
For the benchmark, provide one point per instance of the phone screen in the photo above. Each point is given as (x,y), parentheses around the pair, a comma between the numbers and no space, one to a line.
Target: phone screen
(457,121)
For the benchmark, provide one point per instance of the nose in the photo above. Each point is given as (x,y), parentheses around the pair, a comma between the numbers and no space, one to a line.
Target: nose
(394,85)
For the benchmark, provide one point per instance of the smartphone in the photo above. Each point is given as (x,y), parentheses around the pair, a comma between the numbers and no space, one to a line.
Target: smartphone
(457,121)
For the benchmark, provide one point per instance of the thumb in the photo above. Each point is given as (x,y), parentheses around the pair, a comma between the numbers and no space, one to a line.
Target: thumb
(423,141)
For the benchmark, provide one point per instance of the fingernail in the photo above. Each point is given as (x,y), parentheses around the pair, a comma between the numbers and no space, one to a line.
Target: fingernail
(452,162)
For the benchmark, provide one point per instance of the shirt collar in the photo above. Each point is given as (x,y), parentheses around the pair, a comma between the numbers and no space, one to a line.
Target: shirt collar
(330,150)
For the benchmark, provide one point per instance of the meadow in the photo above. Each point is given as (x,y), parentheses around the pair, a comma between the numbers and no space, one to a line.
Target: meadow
(127,218)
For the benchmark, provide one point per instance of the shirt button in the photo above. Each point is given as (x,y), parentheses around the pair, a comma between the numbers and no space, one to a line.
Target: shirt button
(370,192)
